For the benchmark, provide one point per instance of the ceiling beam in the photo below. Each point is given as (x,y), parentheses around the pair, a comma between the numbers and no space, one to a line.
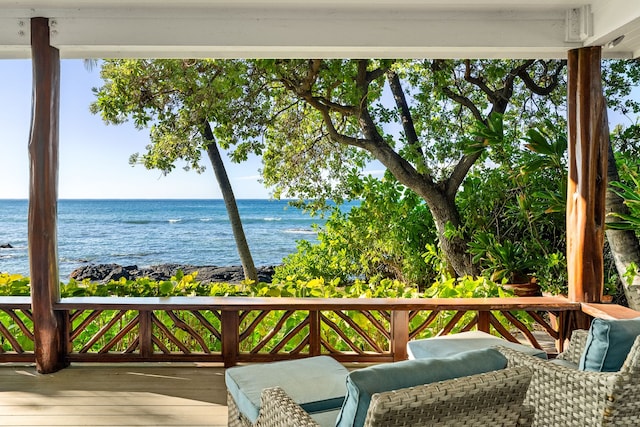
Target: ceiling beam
(326,29)
(306,32)
(15,39)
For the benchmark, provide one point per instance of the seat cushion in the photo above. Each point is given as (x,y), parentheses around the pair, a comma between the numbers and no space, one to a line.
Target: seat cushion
(608,344)
(363,383)
(449,345)
(316,383)
(326,418)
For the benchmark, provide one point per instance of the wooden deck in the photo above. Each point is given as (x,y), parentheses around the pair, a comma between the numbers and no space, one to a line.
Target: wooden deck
(114,395)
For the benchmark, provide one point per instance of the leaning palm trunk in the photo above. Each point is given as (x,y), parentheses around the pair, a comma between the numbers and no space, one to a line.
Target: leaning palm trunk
(246,259)
(623,243)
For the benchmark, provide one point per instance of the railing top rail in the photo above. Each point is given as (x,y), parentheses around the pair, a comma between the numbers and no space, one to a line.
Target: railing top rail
(253,303)
(609,311)
(15,302)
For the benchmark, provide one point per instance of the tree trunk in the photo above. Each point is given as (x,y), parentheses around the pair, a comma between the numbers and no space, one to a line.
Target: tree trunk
(246,259)
(623,243)
(440,203)
(456,246)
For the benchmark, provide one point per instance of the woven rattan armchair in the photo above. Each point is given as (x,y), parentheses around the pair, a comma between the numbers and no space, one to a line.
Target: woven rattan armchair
(565,396)
(490,399)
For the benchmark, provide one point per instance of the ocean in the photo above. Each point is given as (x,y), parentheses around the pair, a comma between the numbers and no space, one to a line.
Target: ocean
(150,232)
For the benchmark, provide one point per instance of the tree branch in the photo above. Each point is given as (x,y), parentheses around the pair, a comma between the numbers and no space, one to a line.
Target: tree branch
(464,101)
(500,99)
(367,124)
(312,74)
(459,173)
(436,66)
(543,90)
(405,116)
(502,96)
(478,82)
(375,74)
(337,136)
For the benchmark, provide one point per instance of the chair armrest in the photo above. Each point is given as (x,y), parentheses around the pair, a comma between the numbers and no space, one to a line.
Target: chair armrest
(518,358)
(279,410)
(567,396)
(576,346)
(492,398)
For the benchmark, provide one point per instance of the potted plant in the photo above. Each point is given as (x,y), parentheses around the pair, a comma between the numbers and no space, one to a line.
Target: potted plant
(505,262)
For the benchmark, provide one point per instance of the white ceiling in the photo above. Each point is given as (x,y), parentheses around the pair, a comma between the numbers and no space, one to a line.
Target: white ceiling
(323,28)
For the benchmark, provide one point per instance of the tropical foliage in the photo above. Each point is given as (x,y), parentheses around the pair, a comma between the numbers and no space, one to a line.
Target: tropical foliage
(108,323)
(383,237)
(474,152)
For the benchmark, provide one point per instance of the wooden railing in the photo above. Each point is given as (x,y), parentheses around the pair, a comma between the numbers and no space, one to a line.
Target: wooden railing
(16,330)
(231,330)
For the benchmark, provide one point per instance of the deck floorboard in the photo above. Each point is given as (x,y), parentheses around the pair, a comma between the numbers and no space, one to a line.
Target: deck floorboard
(114,395)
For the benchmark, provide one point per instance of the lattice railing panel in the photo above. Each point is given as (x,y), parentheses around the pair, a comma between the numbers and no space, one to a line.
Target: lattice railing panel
(431,323)
(187,331)
(16,331)
(356,331)
(104,331)
(515,326)
(243,330)
(274,332)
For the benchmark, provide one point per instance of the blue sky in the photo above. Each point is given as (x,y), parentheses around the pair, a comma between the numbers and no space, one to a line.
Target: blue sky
(94,157)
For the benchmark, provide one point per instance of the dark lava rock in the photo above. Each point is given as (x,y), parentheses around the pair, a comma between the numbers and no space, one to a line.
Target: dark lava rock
(6,246)
(206,274)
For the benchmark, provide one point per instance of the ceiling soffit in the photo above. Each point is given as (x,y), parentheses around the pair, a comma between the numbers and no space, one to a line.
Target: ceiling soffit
(347,28)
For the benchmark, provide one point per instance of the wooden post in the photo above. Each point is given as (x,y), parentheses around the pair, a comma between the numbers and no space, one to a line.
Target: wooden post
(50,348)
(145,333)
(484,321)
(586,191)
(230,337)
(315,330)
(399,334)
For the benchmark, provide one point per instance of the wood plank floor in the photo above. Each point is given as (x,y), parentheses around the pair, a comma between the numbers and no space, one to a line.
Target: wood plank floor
(114,395)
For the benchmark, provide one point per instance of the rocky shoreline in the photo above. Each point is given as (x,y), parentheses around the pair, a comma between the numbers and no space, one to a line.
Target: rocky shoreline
(206,274)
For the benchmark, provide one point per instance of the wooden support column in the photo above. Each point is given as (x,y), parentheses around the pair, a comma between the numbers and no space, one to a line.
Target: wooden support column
(315,332)
(586,190)
(145,333)
(399,334)
(230,337)
(49,326)
(484,321)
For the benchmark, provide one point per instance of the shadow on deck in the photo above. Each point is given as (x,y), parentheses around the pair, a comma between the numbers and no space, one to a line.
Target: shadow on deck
(114,395)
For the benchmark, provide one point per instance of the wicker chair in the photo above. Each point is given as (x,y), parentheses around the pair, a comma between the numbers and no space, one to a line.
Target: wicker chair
(564,396)
(494,398)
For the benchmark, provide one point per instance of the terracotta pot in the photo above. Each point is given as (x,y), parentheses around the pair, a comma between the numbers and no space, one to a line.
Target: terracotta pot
(529,289)
(606,299)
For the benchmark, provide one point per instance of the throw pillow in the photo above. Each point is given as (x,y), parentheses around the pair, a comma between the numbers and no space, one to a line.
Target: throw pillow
(608,344)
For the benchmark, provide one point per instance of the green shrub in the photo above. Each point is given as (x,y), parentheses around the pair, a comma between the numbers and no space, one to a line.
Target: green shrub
(369,335)
(384,237)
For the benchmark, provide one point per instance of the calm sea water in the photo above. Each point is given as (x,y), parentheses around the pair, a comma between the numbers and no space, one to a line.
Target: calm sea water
(149,232)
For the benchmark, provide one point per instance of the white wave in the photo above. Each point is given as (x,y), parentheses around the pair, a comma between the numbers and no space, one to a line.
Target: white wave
(173,221)
(205,219)
(272,218)
(299,231)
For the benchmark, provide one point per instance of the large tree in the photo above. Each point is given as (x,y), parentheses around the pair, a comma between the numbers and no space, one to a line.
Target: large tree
(420,119)
(191,107)
(429,122)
